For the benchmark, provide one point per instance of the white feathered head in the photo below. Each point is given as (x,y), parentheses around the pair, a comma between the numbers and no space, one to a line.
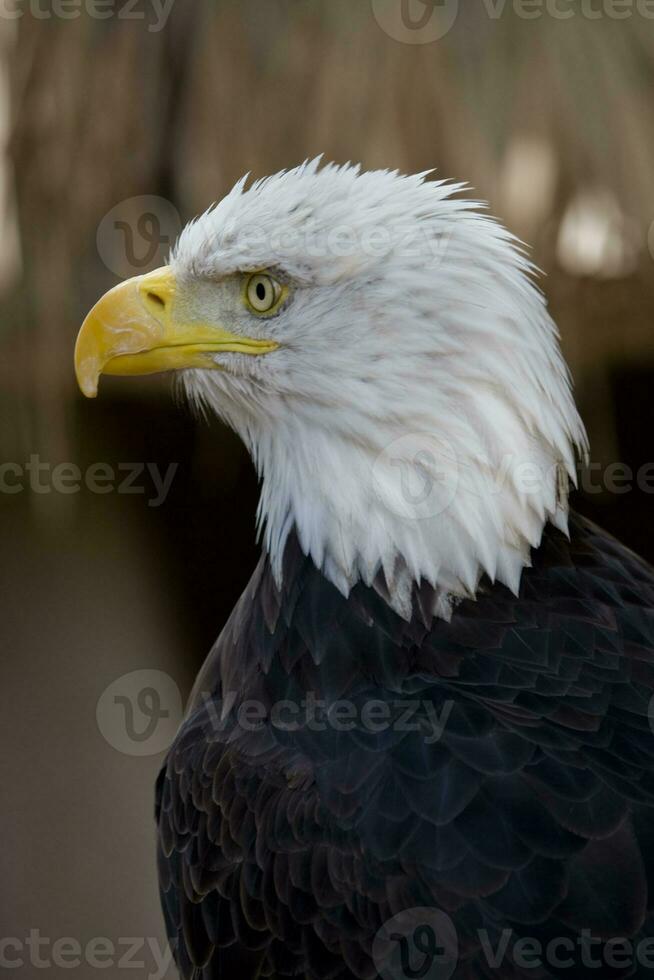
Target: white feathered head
(380,347)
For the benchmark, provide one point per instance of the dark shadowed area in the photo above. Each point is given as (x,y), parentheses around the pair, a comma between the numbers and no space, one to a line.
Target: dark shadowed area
(127,524)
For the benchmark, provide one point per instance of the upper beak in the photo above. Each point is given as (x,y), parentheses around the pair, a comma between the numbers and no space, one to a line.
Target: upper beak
(133,329)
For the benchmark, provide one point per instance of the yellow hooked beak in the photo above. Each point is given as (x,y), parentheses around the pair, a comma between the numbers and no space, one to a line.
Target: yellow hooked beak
(133,329)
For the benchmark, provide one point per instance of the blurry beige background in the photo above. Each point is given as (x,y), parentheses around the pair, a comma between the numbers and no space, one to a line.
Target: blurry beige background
(547,118)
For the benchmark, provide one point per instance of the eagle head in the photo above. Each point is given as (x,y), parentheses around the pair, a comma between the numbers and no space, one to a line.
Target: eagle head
(379,345)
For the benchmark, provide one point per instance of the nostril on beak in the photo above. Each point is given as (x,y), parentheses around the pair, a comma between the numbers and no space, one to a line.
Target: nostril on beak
(155,299)
(157,292)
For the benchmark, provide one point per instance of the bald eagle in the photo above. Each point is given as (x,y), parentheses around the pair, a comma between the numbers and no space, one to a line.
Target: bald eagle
(421,745)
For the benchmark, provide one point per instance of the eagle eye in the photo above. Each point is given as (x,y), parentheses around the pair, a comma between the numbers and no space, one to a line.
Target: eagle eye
(263,294)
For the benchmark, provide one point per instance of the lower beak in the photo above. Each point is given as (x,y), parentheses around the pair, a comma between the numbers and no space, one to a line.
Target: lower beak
(133,329)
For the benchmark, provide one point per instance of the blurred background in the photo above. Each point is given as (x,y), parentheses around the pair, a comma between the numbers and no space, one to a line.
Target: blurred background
(119,122)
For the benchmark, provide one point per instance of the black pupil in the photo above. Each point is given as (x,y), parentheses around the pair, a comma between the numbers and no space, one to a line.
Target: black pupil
(261,291)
